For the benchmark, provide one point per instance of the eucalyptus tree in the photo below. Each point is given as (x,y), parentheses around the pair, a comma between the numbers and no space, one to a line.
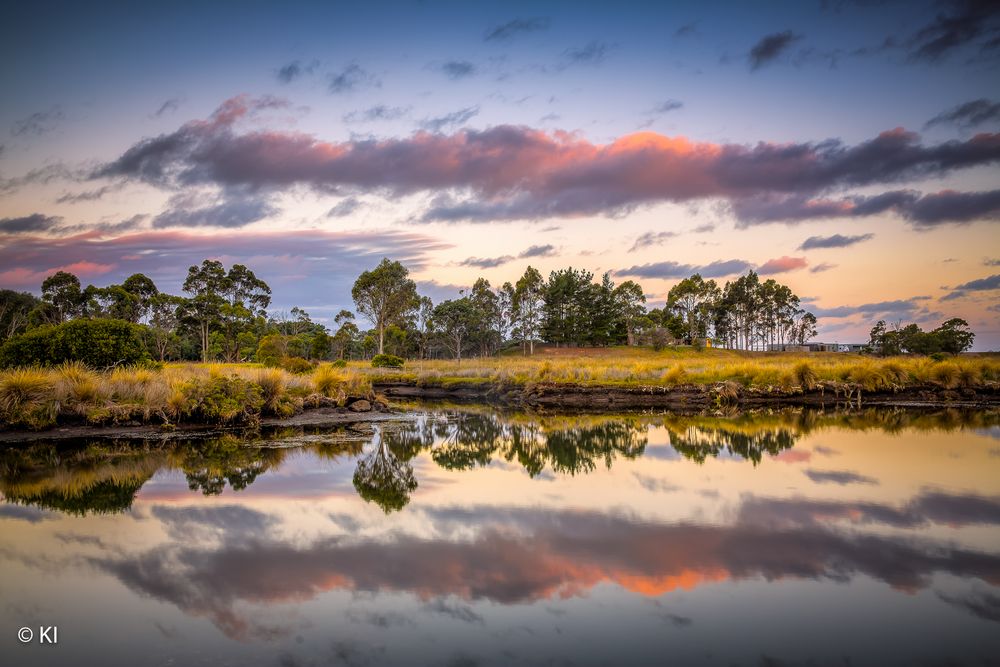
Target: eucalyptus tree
(528,305)
(692,300)
(386,296)
(62,292)
(630,300)
(453,319)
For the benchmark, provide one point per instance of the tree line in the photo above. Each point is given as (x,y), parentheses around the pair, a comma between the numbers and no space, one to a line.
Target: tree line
(223,314)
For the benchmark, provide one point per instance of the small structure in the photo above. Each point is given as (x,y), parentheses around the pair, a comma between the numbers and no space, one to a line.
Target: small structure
(817,347)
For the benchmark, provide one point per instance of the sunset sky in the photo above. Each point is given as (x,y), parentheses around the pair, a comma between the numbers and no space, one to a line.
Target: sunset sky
(847,149)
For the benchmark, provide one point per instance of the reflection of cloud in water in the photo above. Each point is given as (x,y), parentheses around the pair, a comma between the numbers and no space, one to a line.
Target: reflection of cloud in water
(983,603)
(841,477)
(523,556)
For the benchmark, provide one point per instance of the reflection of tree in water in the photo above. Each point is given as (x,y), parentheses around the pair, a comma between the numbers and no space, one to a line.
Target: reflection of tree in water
(382,478)
(699,443)
(570,445)
(209,465)
(91,479)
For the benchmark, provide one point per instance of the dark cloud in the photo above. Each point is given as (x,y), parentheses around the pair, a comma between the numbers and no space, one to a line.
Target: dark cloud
(676,270)
(970,114)
(546,250)
(687,30)
(88,195)
(459,612)
(457,69)
(835,241)
(295,69)
(23,513)
(899,306)
(453,119)
(770,47)
(168,106)
(29,224)
(651,239)
(920,210)
(38,123)
(591,53)
(962,23)
(841,477)
(515,27)
(351,78)
(39,176)
(344,208)
(982,603)
(377,112)
(511,172)
(231,212)
(979,285)
(486,262)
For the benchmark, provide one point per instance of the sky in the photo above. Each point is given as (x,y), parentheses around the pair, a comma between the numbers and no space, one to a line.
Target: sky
(847,149)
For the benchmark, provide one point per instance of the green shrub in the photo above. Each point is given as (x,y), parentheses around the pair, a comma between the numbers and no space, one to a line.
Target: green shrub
(339,363)
(387,361)
(97,343)
(220,399)
(295,365)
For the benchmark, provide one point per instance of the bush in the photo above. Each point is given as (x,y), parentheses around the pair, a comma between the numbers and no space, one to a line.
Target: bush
(387,361)
(97,343)
(339,363)
(220,400)
(295,365)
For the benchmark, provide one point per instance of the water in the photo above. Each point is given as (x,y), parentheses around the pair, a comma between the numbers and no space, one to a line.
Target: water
(478,538)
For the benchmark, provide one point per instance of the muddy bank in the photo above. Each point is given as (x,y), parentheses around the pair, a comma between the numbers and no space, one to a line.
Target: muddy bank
(684,398)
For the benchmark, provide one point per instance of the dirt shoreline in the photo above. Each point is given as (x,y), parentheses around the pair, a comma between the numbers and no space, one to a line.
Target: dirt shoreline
(693,397)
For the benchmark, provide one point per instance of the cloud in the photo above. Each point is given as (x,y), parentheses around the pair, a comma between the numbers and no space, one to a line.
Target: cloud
(295,69)
(835,241)
(453,119)
(308,268)
(903,307)
(486,262)
(233,210)
(820,268)
(591,53)
(514,172)
(676,270)
(962,24)
(982,603)
(514,27)
(920,210)
(979,285)
(344,208)
(89,195)
(457,69)
(377,112)
(667,107)
(38,123)
(770,47)
(841,477)
(29,224)
(351,78)
(168,106)
(520,556)
(546,250)
(781,265)
(652,239)
(970,114)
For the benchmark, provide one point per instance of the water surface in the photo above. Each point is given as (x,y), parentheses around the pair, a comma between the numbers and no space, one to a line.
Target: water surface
(471,537)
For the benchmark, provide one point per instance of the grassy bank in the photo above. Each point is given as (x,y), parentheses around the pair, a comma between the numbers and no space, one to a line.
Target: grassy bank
(243,393)
(38,398)
(675,367)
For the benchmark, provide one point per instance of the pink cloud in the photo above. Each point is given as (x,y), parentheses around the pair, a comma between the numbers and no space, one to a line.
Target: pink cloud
(781,265)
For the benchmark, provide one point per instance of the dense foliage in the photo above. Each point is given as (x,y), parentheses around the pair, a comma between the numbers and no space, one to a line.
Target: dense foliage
(99,343)
(952,337)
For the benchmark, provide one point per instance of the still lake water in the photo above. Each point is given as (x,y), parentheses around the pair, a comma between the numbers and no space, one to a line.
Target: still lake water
(471,537)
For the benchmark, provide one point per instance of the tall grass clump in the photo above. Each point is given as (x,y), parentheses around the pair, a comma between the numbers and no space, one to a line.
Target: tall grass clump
(27,398)
(804,375)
